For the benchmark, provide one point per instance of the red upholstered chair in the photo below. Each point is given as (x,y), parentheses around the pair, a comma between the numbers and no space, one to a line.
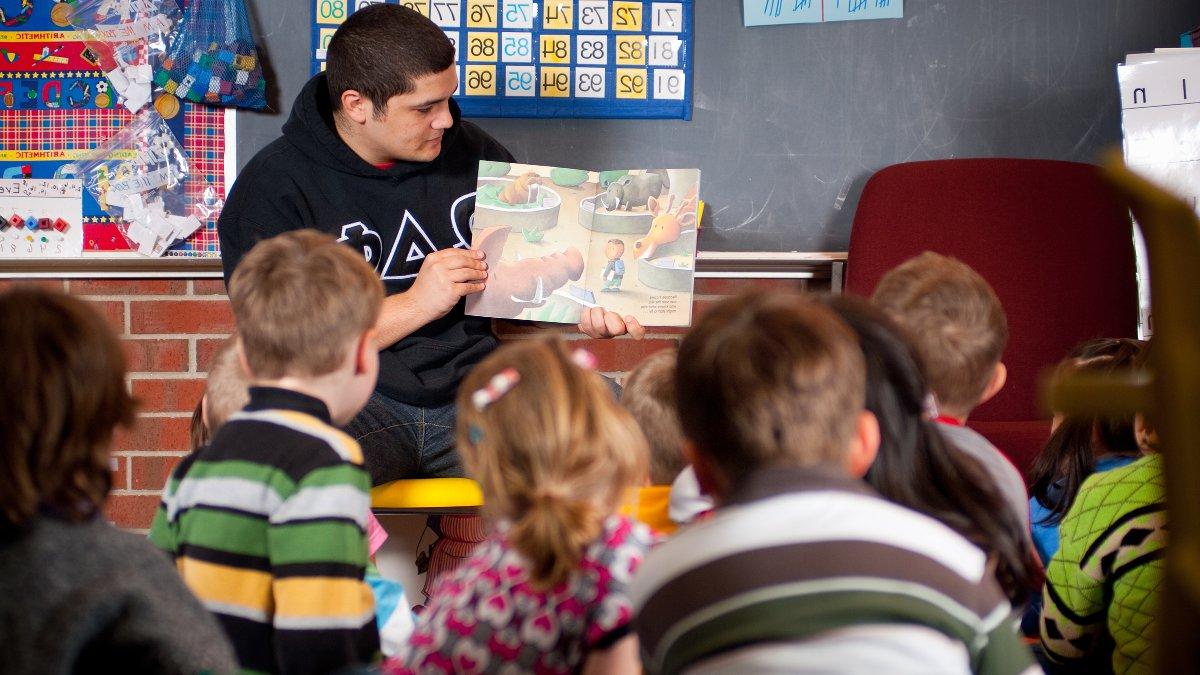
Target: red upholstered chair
(1049,236)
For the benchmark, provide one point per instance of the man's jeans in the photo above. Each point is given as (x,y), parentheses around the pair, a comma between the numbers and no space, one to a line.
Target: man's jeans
(404,441)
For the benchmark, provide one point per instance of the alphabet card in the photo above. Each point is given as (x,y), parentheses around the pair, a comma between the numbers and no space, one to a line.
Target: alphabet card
(1160,117)
(41,218)
(558,241)
(771,12)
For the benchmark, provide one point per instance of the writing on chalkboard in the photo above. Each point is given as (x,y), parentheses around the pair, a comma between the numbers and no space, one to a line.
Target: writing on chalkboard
(769,12)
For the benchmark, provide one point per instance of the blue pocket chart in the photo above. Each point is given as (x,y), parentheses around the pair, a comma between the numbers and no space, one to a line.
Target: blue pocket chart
(556,58)
(770,12)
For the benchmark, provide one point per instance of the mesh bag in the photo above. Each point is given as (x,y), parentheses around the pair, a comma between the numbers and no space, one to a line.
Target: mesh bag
(126,39)
(213,58)
(142,177)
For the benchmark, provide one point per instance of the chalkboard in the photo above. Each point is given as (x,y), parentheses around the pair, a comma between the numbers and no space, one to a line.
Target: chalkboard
(790,121)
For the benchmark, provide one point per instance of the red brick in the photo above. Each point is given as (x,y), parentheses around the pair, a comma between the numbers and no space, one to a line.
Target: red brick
(208,287)
(180,316)
(167,395)
(156,356)
(52,284)
(155,433)
(128,286)
(622,353)
(150,472)
(122,470)
(206,348)
(113,310)
(735,286)
(131,511)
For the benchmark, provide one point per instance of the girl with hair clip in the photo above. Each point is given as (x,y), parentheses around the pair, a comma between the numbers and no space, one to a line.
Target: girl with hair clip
(914,467)
(554,455)
(1081,445)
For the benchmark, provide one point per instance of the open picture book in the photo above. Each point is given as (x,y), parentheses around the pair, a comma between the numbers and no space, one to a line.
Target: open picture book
(558,241)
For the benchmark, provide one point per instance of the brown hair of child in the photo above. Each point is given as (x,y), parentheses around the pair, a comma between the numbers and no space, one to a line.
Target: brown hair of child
(226,392)
(299,298)
(954,321)
(62,381)
(770,380)
(554,455)
(649,395)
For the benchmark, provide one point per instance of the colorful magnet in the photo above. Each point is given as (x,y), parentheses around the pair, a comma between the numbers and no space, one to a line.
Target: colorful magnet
(45,224)
(15,221)
(31,223)
(61,225)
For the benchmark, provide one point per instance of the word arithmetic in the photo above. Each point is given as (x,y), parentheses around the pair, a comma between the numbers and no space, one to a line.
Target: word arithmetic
(555,58)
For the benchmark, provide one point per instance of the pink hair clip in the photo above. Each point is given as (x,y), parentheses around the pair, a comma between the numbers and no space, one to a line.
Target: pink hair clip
(500,384)
(584,359)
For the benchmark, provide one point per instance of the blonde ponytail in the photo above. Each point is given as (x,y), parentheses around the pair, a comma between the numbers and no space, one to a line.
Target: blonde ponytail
(553,456)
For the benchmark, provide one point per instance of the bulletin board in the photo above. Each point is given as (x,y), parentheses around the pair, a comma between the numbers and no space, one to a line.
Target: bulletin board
(555,58)
(55,106)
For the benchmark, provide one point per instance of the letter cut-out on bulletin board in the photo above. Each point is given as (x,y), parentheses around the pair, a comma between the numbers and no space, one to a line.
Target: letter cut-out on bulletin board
(770,12)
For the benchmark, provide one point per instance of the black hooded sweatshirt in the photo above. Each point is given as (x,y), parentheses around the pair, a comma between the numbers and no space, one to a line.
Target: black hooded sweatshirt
(309,178)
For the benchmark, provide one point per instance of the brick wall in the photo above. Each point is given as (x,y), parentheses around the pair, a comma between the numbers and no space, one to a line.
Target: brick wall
(171,327)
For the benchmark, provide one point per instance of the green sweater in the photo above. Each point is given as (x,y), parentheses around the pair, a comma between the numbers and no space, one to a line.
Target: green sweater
(267,527)
(1102,584)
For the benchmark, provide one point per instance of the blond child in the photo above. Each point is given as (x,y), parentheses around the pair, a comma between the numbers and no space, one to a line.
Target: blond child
(802,565)
(649,395)
(267,522)
(554,453)
(958,328)
(76,594)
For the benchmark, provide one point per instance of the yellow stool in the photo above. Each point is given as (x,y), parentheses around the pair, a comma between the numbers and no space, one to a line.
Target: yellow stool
(429,496)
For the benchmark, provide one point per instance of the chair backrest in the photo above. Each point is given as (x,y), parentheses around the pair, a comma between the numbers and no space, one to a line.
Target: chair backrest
(1051,237)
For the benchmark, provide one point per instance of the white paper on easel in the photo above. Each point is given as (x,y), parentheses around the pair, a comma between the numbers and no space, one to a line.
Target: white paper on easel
(1160,118)
(53,199)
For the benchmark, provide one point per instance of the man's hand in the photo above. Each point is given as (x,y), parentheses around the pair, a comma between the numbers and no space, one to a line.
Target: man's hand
(597,322)
(444,278)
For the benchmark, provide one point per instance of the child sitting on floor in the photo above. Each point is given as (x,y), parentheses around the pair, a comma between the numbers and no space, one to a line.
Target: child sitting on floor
(267,523)
(1080,445)
(958,328)
(226,392)
(917,469)
(1103,582)
(803,567)
(649,395)
(554,455)
(77,595)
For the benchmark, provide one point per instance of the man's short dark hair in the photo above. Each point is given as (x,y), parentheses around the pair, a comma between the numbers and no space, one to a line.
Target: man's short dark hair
(381,50)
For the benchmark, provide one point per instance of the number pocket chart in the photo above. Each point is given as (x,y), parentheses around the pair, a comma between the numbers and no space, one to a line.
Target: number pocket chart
(555,58)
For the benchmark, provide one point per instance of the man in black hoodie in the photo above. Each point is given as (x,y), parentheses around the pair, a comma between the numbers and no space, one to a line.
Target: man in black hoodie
(376,153)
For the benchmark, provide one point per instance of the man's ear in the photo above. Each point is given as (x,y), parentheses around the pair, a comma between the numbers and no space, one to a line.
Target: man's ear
(999,377)
(356,107)
(363,351)
(708,476)
(864,445)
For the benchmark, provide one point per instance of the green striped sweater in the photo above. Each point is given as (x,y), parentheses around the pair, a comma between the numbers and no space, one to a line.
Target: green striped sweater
(267,525)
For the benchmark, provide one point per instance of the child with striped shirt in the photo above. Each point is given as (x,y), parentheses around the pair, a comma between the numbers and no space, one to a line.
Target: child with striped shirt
(803,568)
(267,523)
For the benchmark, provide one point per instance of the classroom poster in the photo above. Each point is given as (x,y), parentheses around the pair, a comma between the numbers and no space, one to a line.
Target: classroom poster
(771,12)
(555,58)
(1160,116)
(56,105)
